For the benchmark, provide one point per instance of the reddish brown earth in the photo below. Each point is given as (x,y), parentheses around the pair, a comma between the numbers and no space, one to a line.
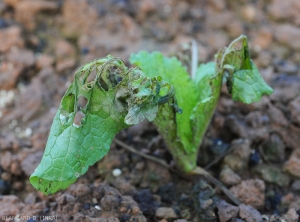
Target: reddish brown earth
(43,42)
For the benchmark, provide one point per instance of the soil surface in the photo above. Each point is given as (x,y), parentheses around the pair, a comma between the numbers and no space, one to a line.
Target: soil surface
(43,42)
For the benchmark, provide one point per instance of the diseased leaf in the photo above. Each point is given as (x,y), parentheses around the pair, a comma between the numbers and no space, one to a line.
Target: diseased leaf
(113,104)
(244,81)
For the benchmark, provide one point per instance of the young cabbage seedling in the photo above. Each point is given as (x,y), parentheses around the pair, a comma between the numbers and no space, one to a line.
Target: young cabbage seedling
(198,96)
(118,98)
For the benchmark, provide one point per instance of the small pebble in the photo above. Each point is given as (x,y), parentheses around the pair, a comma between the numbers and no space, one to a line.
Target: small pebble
(292,166)
(255,158)
(123,209)
(165,213)
(135,210)
(248,213)
(140,166)
(117,172)
(125,217)
(6,176)
(46,210)
(4,187)
(226,211)
(97,207)
(255,187)
(94,200)
(86,206)
(292,215)
(229,177)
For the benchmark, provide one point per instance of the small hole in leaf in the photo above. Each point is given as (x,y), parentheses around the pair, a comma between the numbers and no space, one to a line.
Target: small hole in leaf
(238,45)
(87,75)
(82,102)
(78,118)
(103,84)
(92,76)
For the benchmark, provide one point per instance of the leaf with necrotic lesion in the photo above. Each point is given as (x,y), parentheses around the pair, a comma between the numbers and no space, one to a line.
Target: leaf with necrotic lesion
(116,99)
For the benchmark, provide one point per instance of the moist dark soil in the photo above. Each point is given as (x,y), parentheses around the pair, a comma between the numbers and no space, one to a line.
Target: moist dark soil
(254,150)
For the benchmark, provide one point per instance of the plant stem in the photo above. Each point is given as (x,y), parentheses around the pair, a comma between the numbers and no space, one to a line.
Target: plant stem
(186,161)
(194,62)
(133,150)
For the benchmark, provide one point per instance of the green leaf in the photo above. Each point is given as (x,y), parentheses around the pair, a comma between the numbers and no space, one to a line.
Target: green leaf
(112,106)
(209,87)
(172,71)
(204,73)
(248,86)
(183,132)
(244,81)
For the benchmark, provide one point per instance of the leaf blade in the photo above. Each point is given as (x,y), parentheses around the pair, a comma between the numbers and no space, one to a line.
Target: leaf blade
(243,79)
(249,86)
(78,148)
(71,148)
(173,72)
(209,86)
